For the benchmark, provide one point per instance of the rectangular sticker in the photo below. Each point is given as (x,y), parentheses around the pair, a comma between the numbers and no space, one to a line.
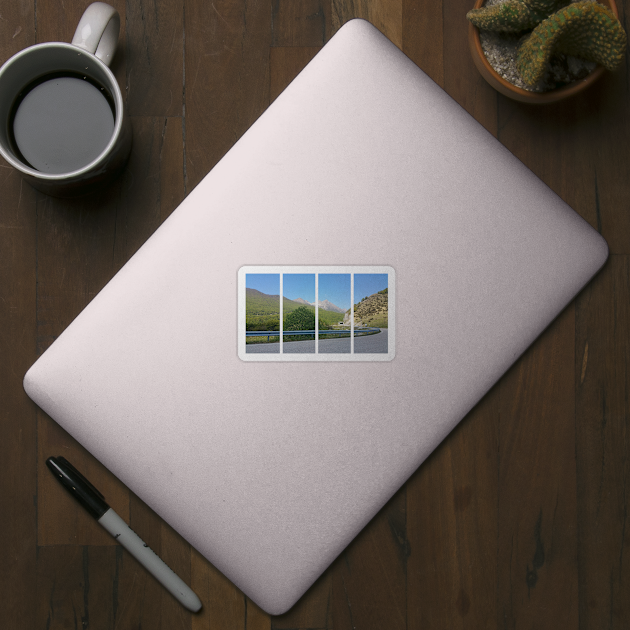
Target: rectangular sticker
(316,313)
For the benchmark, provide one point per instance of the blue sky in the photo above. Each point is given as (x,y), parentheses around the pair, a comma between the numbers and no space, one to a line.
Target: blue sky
(299,285)
(268,283)
(335,287)
(367,284)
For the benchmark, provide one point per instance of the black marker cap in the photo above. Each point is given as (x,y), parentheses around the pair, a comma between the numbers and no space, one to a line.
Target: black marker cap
(78,486)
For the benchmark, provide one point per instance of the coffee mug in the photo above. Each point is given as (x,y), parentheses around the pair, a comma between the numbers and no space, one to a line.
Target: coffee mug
(62,115)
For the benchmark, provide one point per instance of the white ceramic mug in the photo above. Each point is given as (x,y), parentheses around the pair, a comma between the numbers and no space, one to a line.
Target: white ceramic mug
(86,58)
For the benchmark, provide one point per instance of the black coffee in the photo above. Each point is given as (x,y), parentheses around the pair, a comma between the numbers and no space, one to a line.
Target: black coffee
(62,123)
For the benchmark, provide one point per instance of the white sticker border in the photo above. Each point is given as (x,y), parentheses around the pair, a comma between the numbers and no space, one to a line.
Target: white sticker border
(318,269)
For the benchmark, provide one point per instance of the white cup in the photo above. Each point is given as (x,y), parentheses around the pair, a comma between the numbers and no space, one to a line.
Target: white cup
(87,58)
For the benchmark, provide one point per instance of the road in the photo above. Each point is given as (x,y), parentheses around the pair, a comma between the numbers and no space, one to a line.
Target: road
(367,344)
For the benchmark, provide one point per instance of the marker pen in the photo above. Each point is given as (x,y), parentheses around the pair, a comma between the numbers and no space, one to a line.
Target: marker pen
(94,502)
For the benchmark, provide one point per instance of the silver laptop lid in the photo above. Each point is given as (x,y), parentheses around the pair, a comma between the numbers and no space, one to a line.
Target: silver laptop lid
(362,167)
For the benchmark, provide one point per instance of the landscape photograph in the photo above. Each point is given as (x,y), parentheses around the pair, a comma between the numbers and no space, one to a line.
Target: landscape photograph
(262,309)
(334,294)
(371,298)
(316,305)
(299,288)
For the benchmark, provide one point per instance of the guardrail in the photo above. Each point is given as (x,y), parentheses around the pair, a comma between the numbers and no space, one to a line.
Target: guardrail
(291,333)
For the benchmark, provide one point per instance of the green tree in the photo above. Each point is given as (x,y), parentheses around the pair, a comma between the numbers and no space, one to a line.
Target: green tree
(302,318)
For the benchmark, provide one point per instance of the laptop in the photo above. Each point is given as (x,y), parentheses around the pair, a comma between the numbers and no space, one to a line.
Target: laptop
(316,316)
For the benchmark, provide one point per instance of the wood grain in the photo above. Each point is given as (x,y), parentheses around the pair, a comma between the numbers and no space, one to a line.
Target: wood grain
(461,79)
(369,587)
(226,78)
(76,587)
(18,416)
(452,526)
(518,520)
(18,324)
(386,15)
(313,609)
(305,23)
(537,537)
(285,64)
(224,606)
(422,36)
(154,57)
(152,605)
(602,381)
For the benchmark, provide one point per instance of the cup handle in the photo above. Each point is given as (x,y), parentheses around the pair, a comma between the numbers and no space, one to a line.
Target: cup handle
(98,30)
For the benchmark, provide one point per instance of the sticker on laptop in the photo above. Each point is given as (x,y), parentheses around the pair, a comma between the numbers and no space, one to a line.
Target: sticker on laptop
(316,313)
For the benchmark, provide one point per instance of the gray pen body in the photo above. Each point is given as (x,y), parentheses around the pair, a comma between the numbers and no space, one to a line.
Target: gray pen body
(149,559)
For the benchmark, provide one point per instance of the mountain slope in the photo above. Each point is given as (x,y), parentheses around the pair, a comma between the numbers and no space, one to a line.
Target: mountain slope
(260,307)
(329,306)
(371,311)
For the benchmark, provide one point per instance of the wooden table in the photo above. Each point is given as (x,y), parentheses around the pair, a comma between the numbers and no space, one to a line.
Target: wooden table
(518,520)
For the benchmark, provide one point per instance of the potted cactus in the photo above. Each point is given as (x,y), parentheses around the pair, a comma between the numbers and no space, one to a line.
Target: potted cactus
(557,48)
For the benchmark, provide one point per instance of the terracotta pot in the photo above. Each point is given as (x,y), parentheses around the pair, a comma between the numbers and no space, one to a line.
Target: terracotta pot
(508,89)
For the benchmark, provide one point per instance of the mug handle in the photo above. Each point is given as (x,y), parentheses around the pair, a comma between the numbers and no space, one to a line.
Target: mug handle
(98,30)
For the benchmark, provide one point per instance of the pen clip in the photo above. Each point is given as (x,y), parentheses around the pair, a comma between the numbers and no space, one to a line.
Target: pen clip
(74,471)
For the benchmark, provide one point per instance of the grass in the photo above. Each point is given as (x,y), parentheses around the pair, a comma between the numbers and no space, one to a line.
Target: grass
(272,339)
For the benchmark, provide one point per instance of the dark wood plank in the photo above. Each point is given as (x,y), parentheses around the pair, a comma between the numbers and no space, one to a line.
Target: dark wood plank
(18,416)
(226,78)
(285,64)
(154,57)
(422,36)
(57,22)
(312,611)
(369,588)
(142,600)
(452,527)
(608,128)
(18,524)
(386,15)
(171,159)
(603,444)
(304,23)
(537,510)
(17,27)
(76,587)
(224,606)
(60,519)
(74,249)
(152,185)
(461,78)
(558,147)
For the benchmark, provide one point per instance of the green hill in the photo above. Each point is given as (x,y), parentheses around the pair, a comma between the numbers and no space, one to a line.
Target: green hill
(262,311)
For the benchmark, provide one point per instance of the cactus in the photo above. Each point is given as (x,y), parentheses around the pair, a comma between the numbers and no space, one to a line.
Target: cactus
(513,16)
(583,29)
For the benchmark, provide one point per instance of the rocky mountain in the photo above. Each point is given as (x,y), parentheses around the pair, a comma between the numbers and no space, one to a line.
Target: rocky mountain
(329,306)
(323,304)
(371,311)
